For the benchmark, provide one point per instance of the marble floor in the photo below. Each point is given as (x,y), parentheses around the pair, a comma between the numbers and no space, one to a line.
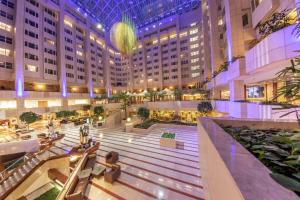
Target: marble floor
(148,170)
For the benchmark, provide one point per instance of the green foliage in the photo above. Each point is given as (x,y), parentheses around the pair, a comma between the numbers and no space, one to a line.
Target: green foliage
(168,135)
(286,182)
(275,22)
(98,110)
(87,107)
(125,100)
(66,114)
(278,149)
(178,94)
(148,123)
(143,113)
(151,96)
(29,117)
(49,195)
(205,107)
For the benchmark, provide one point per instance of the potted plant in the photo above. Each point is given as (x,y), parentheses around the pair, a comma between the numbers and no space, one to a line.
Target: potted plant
(168,140)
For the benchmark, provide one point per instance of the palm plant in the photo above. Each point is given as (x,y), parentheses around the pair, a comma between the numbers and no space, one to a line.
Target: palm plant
(291,74)
(151,95)
(125,100)
(178,94)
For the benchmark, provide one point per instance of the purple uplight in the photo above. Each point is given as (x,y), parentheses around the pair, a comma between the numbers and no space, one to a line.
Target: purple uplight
(20,89)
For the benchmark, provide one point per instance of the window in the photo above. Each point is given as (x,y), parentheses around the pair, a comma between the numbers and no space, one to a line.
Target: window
(68,66)
(32,12)
(31,68)
(195,75)
(49,41)
(31,56)
(5,27)
(50,71)
(31,45)
(31,34)
(50,61)
(193,39)
(68,23)
(194,53)
(6,65)
(6,15)
(195,67)
(34,3)
(7,40)
(255,91)
(47,30)
(194,46)
(4,52)
(8,3)
(194,60)
(69,75)
(194,31)
(31,23)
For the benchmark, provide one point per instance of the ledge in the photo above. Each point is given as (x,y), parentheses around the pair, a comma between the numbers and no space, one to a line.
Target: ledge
(241,170)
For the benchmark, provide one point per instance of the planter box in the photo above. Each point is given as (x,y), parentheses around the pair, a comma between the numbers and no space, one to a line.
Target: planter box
(168,142)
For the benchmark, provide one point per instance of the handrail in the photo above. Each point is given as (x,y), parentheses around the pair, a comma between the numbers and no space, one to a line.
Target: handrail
(9,167)
(62,194)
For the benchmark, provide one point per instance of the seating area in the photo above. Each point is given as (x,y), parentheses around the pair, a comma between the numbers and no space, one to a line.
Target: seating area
(87,168)
(79,183)
(112,157)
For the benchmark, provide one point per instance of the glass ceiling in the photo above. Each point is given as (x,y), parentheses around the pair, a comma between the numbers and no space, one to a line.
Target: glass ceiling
(142,12)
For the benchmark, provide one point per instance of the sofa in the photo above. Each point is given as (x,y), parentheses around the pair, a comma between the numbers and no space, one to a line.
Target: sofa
(112,157)
(112,174)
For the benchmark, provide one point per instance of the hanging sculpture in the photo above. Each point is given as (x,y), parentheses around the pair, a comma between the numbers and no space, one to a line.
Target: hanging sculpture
(123,36)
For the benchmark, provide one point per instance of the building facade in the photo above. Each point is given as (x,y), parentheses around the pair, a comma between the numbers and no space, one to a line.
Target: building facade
(54,56)
(242,60)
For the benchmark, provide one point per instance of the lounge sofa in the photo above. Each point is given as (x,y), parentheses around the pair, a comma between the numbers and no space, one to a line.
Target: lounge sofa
(112,157)
(112,174)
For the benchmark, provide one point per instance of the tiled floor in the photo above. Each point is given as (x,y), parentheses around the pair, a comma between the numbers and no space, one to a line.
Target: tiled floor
(148,170)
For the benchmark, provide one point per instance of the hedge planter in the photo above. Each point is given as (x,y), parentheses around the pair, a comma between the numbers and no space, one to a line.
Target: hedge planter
(168,140)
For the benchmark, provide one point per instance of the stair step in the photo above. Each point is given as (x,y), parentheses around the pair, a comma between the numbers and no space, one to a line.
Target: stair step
(22,171)
(12,181)
(17,175)
(6,185)
(36,160)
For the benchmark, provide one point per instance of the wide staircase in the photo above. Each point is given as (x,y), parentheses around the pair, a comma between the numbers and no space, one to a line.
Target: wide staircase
(10,179)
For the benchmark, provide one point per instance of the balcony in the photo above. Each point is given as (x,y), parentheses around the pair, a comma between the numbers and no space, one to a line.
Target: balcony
(236,69)
(221,79)
(264,9)
(273,52)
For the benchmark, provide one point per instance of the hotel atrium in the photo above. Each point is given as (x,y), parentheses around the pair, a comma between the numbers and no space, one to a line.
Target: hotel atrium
(149,99)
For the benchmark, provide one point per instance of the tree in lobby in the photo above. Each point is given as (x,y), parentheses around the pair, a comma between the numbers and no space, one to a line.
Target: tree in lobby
(98,110)
(125,100)
(29,118)
(143,113)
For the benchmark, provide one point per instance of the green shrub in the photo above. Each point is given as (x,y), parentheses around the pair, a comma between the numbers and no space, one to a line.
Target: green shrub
(143,113)
(66,114)
(205,107)
(98,110)
(168,135)
(50,195)
(29,118)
